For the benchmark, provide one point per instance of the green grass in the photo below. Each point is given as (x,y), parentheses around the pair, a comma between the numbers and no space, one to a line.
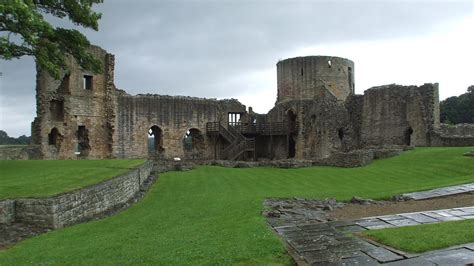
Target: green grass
(422,238)
(212,215)
(37,178)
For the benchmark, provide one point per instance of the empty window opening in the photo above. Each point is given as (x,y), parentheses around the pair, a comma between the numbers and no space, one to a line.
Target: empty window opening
(56,109)
(234,118)
(291,117)
(64,87)
(155,140)
(193,141)
(329,64)
(340,133)
(83,145)
(302,72)
(53,137)
(313,119)
(408,134)
(87,82)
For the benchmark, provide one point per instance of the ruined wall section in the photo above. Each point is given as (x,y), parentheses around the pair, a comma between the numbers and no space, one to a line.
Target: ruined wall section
(72,112)
(306,78)
(174,116)
(400,115)
(316,136)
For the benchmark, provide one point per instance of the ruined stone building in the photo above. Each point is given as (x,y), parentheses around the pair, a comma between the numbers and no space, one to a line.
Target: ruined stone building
(317,114)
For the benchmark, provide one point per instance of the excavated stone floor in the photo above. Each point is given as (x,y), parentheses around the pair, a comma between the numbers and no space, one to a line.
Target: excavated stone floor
(313,237)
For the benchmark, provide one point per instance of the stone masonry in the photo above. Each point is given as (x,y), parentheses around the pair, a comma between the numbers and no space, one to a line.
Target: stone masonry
(76,206)
(317,116)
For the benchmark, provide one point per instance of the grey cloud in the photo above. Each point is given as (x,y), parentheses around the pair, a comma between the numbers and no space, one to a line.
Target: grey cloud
(193,47)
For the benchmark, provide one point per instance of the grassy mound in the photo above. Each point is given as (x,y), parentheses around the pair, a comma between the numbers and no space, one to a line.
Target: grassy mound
(46,178)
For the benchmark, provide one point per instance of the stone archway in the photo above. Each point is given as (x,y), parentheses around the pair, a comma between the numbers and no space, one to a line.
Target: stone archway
(193,143)
(155,140)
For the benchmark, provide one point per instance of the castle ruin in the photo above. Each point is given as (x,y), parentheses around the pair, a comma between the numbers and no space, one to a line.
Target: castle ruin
(317,114)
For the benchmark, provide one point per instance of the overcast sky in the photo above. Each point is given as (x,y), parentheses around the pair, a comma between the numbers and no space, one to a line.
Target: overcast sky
(229,49)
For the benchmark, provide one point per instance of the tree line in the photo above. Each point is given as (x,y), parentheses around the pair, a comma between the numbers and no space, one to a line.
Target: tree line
(7,140)
(458,109)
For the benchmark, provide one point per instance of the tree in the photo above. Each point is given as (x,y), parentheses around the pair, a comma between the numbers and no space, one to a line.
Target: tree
(458,109)
(25,32)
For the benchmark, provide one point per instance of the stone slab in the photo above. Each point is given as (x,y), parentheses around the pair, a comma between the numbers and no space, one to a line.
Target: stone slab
(360,261)
(420,218)
(440,192)
(404,222)
(382,255)
(461,256)
(411,262)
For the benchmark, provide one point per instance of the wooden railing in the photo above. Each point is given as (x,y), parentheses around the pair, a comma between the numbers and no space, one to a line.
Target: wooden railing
(271,128)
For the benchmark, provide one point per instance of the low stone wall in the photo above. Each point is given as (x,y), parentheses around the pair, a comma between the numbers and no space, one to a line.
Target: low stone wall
(457,130)
(19,152)
(452,141)
(76,206)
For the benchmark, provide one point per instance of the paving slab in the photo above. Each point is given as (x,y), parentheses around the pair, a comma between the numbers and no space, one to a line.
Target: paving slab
(319,256)
(420,218)
(451,257)
(411,262)
(470,246)
(440,192)
(404,222)
(359,261)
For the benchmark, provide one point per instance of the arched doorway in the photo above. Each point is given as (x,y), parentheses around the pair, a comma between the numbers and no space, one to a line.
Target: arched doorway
(193,143)
(54,138)
(155,140)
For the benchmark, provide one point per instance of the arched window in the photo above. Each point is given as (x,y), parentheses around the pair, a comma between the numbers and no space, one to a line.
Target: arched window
(193,141)
(155,140)
(53,137)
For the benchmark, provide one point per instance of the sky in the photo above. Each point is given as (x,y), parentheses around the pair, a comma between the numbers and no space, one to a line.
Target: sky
(229,48)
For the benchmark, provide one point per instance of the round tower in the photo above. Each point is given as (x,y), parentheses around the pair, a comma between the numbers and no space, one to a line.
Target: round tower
(310,76)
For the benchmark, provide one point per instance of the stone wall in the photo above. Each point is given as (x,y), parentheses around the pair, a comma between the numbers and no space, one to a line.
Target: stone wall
(7,211)
(74,112)
(457,130)
(74,207)
(308,77)
(316,136)
(400,115)
(174,116)
(19,152)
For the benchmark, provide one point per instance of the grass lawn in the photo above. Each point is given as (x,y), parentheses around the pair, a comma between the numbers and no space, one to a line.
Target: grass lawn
(212,215)
(38,178)
(421,238)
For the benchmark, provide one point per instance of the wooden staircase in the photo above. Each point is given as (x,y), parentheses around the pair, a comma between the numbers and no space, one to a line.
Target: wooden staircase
(238,143)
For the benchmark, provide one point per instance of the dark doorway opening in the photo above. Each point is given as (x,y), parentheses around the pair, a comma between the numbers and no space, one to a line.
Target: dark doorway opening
(83,145)
(292,131)
(408,134)
(53,137)
(340,133)
(291,146)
